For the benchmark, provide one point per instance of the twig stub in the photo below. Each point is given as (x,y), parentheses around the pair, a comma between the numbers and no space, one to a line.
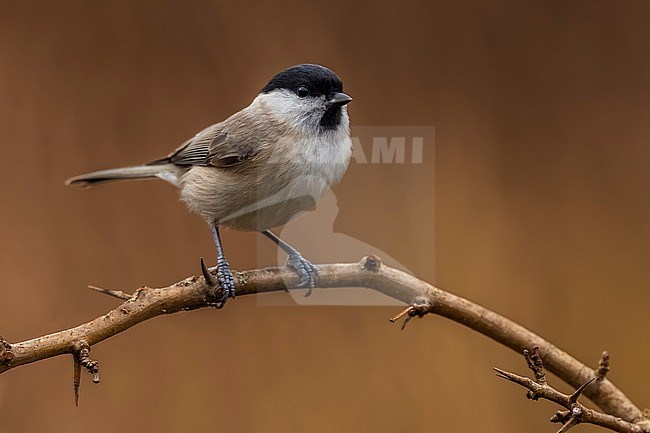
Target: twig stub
(536,365)
(6,355)
(603,366)
(82,359)
(418,309)
(371,262)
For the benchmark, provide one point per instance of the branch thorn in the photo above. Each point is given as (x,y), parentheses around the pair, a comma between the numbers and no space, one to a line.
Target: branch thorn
(114,293)
(573,399)
(209,279)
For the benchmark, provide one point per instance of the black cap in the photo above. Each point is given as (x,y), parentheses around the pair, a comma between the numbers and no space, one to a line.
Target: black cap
(318,79)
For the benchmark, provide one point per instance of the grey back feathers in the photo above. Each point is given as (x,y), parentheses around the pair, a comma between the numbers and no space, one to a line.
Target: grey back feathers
(229,143)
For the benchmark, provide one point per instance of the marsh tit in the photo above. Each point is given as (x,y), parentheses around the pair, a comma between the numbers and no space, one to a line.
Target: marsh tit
(260,167)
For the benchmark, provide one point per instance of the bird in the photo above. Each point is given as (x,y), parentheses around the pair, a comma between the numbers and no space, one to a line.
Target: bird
(261,167)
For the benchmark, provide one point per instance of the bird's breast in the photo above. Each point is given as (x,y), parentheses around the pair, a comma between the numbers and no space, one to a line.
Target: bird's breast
(271,190)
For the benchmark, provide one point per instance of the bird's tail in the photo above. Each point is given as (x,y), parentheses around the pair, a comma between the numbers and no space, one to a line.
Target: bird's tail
(166,172)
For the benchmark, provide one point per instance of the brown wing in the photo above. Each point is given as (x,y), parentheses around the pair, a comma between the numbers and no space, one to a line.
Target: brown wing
(213,146)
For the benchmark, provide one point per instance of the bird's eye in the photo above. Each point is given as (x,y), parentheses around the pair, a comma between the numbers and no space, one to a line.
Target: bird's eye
(302,91)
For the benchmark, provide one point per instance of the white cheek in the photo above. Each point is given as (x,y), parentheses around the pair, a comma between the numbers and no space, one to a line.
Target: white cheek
(287,107)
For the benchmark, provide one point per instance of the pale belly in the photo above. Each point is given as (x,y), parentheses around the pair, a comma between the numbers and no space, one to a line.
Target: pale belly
(251,201)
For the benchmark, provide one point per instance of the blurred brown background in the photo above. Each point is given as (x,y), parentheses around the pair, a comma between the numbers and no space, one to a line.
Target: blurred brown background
(541,208)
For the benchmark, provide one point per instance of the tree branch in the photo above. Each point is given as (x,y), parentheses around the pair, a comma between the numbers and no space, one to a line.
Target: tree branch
(576,413)
(421,297)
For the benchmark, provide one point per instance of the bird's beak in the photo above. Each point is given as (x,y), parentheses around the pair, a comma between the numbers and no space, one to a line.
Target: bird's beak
(339,99)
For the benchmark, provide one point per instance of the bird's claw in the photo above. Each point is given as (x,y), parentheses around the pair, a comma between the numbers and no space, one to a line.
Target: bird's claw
(306,271)
(224,280)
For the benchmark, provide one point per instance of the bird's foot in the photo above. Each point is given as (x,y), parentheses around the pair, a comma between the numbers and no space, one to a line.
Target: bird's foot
(306,271)
(224,280)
